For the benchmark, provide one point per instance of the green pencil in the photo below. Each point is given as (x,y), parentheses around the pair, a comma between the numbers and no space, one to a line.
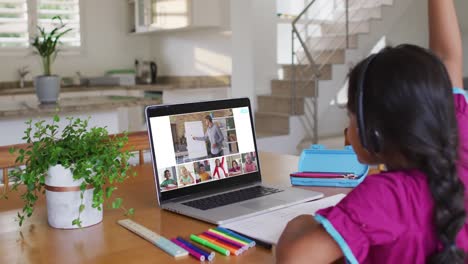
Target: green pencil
(205,243)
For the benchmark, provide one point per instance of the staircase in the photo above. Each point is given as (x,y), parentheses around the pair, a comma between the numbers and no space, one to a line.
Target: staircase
(325,32)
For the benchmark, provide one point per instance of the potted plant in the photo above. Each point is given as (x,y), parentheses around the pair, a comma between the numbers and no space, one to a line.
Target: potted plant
(77,169)
(46,45)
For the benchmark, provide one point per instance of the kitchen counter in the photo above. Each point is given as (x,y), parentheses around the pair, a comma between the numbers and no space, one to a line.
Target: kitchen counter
(165,83)
(67,89)
(32,109)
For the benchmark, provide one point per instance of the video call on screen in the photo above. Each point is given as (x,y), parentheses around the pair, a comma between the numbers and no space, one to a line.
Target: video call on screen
(185,154)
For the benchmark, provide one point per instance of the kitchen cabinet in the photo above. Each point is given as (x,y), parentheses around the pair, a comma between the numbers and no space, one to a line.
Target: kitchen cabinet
(6,99)
(166,15)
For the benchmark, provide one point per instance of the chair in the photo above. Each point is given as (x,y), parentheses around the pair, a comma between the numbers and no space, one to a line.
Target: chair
(137,142)
(8,160)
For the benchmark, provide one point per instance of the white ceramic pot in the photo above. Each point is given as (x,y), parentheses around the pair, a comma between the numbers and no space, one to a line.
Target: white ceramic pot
(47,88)
(63,200)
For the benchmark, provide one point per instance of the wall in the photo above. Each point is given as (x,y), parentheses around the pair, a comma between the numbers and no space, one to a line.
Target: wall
(418,32)
(244,47)
(254,65)
(265,44)
(465,55)
(193,52)
(106,44)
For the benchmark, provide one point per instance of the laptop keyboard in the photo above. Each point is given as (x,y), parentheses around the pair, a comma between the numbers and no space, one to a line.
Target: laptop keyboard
(231,197)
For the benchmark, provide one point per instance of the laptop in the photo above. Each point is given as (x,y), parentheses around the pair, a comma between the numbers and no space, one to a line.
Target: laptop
(206,163)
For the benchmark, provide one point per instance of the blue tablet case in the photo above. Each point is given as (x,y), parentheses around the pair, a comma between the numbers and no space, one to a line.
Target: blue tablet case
(319,159)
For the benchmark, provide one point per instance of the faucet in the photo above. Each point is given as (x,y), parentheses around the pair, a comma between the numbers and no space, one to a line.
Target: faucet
(22,73)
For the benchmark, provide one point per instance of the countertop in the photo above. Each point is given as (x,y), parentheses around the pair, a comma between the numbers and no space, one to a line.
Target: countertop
(164,83)
(31,108)
(65,89)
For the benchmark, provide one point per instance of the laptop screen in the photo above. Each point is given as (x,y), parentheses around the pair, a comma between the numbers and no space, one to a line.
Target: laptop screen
(201,148)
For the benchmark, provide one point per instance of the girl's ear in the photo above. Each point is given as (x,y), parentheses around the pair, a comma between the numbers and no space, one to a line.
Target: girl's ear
(370,158)
(352,134)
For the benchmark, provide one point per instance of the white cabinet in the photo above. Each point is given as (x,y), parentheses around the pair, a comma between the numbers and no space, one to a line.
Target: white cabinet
(163,15)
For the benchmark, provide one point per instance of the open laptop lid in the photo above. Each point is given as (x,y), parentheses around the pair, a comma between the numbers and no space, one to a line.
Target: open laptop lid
(185,162)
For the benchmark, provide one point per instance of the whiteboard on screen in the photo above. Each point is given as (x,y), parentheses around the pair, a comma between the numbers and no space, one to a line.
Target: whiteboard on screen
(196,148)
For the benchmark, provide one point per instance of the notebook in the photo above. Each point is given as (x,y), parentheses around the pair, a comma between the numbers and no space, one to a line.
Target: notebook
(269,226)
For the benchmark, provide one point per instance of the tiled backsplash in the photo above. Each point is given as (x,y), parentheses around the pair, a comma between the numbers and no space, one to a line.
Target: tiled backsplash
(177,82)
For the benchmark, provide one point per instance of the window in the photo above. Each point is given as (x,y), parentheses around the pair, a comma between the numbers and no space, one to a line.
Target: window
(13,23)
(68,10)
(16,32)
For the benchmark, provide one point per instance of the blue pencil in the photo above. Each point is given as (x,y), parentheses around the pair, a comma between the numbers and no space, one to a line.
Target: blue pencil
(208,255)
(230,233)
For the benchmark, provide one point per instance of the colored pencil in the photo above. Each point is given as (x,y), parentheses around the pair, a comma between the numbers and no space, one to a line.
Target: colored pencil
(226,240)
(192,252)
(230,237)
(233,250)
(210,245)
(229,232)
(208,255)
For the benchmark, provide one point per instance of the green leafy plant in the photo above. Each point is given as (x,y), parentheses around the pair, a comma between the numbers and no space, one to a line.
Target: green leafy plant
(46,43)
(90,153)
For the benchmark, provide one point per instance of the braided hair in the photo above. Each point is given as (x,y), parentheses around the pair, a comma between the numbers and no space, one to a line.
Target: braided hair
(408,99)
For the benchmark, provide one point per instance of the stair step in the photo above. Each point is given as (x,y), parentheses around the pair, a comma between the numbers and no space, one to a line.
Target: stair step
(271,124)
(306,71)
(285,88)
(354,15)
(363,3)
(279,104)
(339,28)
(325,56)
(332,42)
(329,56)
(357,15)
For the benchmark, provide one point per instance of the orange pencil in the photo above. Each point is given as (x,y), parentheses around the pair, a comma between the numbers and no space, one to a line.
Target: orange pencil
(232,249)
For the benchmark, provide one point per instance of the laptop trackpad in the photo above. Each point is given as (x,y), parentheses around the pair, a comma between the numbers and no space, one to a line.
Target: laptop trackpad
(262,204)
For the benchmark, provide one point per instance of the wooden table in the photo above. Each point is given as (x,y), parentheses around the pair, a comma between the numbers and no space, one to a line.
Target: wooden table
(108,242)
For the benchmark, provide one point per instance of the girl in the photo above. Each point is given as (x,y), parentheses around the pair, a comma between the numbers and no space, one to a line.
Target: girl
(235,168)
(186,177)
(219,172)
(403,114)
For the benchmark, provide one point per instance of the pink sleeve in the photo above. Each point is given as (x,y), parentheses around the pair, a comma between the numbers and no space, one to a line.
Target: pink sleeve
(461,108)
(361,220)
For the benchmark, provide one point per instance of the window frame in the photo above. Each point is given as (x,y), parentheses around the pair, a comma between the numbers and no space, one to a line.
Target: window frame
(32,31)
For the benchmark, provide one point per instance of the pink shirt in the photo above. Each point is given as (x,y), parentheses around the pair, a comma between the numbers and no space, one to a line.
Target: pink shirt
(388,217)
(250,167)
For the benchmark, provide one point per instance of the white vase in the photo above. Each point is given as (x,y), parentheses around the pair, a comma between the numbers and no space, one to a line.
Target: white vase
(47,88)
(63,200)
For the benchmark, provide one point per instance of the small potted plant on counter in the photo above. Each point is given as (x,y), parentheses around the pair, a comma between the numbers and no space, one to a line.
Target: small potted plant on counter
(46,45)
(77,169)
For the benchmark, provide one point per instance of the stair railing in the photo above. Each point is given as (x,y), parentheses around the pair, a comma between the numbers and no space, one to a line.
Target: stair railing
(306,66)
(313,65)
